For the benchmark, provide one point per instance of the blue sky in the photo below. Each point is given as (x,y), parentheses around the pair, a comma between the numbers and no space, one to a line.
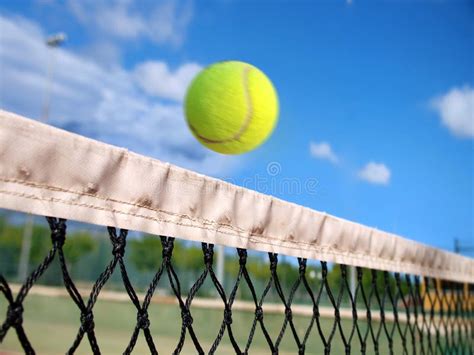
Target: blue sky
(377,100)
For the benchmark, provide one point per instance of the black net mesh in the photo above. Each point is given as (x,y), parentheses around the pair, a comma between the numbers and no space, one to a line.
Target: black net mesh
(379,312)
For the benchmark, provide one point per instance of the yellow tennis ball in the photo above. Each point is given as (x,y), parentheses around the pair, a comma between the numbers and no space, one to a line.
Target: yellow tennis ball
(231,107)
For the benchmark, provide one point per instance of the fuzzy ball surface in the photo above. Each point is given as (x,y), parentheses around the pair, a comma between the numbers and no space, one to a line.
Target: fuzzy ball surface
(231,107)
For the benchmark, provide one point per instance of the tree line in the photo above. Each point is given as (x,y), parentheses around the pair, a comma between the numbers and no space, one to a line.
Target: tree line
(88,251)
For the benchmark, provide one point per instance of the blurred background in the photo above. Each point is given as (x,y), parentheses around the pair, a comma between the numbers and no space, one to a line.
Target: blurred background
(376,99)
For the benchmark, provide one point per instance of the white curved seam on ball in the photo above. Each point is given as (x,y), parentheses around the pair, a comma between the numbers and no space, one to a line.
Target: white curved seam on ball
(248,99)
(248,116)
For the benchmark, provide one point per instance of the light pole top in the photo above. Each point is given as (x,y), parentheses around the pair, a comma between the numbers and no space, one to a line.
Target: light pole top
(56,40)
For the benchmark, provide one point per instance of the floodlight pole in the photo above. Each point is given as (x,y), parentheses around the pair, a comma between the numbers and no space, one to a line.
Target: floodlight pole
(220,263)
(52,42)
(353,279)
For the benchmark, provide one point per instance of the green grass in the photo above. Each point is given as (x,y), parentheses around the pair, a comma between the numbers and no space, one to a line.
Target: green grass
(51,324)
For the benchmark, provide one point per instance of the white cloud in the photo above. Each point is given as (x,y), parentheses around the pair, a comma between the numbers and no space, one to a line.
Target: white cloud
(156,79)
(375,173)
(323,150)
(104,52)
(163,21)
(103,103)
(456,110)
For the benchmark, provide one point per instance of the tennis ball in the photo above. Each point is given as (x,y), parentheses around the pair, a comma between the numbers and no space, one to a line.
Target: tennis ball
(231,107)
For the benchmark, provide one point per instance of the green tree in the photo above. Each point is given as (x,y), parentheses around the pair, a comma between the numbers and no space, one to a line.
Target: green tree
(189,258)
(10,246)
(11,241)
(145,253)
(77,245)
(258,268)
(40,242)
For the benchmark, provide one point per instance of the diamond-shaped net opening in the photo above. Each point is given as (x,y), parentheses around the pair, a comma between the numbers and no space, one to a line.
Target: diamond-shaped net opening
(266,303)
(191,264)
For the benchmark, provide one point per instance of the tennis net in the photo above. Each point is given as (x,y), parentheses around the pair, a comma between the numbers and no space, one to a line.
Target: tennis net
(329,285)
